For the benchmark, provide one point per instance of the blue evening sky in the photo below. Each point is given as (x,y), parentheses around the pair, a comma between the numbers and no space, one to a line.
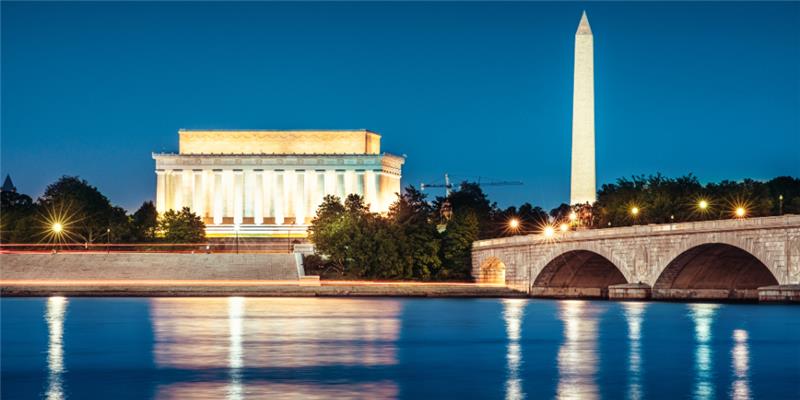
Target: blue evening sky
(473,89)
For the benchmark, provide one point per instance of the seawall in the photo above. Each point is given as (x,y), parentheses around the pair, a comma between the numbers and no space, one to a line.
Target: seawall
(147,266)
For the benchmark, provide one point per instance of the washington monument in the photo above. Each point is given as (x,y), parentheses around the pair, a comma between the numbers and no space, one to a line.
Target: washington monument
(582,185)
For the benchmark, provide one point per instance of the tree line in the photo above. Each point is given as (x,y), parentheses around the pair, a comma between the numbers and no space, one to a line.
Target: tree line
(432,240)
(73,211)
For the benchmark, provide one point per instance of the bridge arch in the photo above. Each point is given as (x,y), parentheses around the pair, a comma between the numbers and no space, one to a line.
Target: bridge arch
(492,270)
(579,267)
(717,266)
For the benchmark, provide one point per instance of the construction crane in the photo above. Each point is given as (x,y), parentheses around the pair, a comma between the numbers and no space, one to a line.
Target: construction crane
(448,186)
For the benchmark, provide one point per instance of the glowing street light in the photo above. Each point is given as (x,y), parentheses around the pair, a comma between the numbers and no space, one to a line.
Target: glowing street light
(573,216)
(635,211)
(740,212)
(549,232)
(57,228)
(513,223)
(702,205)
(564,227)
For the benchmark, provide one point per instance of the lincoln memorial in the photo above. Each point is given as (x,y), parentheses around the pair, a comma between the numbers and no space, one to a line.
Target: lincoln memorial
(265,183)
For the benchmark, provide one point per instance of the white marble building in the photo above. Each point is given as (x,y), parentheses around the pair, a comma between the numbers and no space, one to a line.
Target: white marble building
(264,183)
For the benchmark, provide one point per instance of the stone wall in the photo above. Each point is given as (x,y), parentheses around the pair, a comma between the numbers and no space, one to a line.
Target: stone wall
(148,266)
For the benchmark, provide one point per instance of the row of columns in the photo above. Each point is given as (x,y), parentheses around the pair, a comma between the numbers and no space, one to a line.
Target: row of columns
(262,194)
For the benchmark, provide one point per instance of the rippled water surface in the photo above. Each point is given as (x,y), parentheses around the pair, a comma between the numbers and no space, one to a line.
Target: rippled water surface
(240,348)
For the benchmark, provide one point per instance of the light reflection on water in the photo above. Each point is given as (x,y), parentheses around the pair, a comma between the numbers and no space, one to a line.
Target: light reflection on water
(278,333)
(513,310)
(741,366)
(634,314)
(577,357)
(244,348)
(703,317)
(56,308)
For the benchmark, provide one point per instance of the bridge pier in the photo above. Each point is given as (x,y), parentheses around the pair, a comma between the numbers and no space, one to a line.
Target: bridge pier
(779,294)
(629,291)
(569,292)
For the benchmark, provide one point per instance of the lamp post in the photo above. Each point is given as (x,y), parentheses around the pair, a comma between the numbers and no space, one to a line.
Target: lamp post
(108,240)
(513,225)
(634,213)
(780,205)
(740,212)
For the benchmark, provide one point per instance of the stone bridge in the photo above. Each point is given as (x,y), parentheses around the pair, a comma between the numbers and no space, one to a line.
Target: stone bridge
(739,259)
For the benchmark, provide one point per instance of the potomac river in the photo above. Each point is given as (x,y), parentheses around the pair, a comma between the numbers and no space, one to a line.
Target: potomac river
(383,348)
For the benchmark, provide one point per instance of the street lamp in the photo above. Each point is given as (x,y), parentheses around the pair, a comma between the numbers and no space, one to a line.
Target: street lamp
(573,216)
(702,205)
(57,228)
(740,212)
(564,227)
(513,225)
(108,240)
(634,211)
(549,231)
(780,205)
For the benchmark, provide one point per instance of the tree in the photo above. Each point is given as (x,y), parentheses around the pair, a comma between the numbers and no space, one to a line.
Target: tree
(327,232)
(144,223)
(415,218)
(88,213)
(462,230)
(18,222)
(182,227)
(470,197)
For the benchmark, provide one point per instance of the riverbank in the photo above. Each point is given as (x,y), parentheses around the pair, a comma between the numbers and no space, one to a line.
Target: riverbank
(215,288)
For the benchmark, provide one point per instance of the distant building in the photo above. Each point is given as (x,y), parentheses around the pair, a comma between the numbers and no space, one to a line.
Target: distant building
(8,186)
(270,183)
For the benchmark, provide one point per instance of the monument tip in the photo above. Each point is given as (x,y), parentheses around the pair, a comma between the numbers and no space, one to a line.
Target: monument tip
(583,26)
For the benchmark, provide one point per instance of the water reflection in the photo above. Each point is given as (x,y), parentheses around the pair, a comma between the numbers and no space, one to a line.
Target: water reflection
(513,310)
(235,317)
(56,309)
(741,366)
(703,317)
(634,313)
(288,339)
(577,356)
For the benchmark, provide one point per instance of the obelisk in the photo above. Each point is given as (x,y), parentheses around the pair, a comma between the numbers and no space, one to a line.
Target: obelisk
(582,185)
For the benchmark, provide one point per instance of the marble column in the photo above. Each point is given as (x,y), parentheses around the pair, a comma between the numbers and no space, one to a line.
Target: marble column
(330,183)
(249,193)
(289,185)
(369,191)
(258,196)
(227,193)
(161,191)
(198,192)
(267,189)
(341,184)
(359,186)
(277,199)
(238,196)
(379,198)
(319,191)
(347,184)
(219,205)
(176,189)
(300,197)
(187,178)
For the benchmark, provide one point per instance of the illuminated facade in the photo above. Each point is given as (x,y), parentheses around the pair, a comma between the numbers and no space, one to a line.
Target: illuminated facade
(271,182)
